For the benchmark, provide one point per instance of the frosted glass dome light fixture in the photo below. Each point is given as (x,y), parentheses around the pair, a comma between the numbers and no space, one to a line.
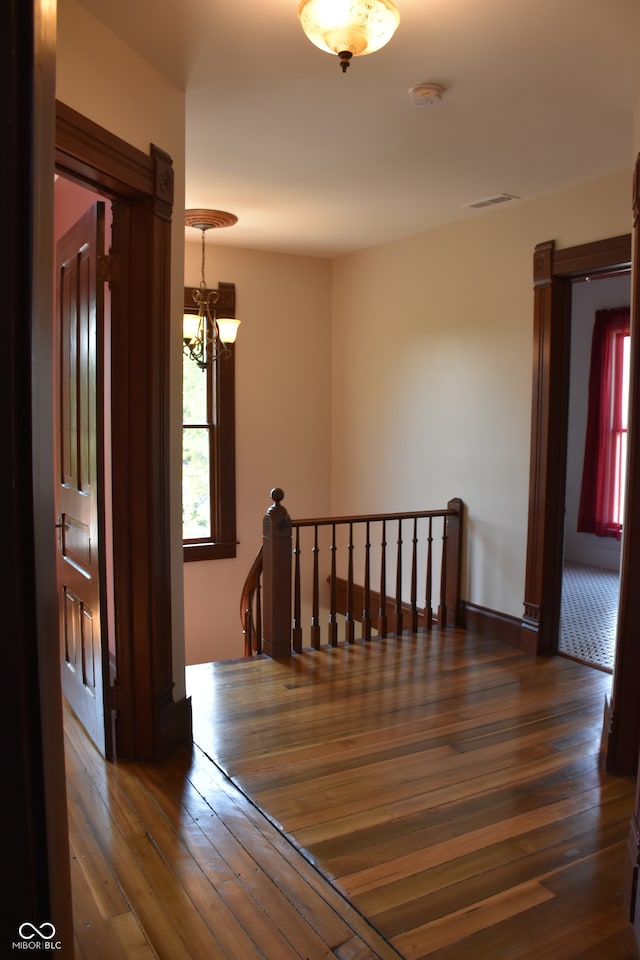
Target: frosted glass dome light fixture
(348,28)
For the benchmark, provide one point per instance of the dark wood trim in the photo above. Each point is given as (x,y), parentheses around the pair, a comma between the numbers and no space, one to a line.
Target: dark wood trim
(480,620)
(593,259)
(223,413)
(553,272)
(624,737)
(39,887)
(148,720)
(624,726)
(374,605)
(631,890)
(550,397)
(452,560)
(492,623)
(209,551)
(88,153)
(276,565)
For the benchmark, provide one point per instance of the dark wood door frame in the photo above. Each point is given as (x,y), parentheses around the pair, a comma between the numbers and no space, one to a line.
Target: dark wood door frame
(33,749)
(554,270)
(149,724)
(623,738)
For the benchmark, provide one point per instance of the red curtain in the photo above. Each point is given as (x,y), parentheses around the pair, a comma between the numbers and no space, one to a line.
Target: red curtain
(598,509)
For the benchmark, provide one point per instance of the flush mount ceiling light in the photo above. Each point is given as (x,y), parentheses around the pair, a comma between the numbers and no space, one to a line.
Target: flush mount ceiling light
(206,337)
(349,28)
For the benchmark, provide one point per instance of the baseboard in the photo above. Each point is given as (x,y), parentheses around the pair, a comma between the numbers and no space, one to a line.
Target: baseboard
(176,728)
(374,607)
(632,858)
(606,730)
(491,623)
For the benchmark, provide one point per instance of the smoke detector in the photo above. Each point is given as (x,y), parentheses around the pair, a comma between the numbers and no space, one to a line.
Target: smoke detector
(425,94)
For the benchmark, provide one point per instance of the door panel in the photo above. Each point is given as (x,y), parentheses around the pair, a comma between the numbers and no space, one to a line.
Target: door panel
(80,301)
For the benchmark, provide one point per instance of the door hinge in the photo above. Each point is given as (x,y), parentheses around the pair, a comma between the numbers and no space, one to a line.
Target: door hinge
(113,697)
(108,268)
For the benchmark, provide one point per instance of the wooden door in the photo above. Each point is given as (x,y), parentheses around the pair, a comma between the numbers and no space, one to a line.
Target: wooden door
(80,307)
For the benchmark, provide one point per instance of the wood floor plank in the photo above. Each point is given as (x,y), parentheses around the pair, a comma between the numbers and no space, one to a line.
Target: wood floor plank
(88,856)
(194,881)
(461,883)
(386,872)
(430,824)
(523,774)
(462,924)
(558,928)
(97,934)
(460,779)
(432,797)
(397,777)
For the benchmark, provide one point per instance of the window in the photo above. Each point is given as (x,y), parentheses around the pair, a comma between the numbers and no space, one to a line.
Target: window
(208,448)
(603,479)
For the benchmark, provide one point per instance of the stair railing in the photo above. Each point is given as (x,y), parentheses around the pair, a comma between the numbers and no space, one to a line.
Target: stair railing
(282,605)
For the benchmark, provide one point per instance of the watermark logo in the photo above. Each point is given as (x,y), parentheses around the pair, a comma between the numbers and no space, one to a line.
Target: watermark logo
(33,937)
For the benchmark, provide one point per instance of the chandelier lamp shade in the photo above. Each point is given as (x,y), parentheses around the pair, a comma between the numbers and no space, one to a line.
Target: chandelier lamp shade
(206,336)
(348,28)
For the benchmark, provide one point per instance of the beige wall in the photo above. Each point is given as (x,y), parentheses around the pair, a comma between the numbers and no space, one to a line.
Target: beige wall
(432,372)
(283,417)
(431,361)
(429,390)
(87,81)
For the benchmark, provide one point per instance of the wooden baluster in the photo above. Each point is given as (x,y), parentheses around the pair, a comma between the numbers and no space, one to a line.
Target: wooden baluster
(297,622)
(258,634)
(398,609)
(276,556)
(442,608)
(414,578)
(333,623)
(248,634)
(428,607)
(366,602)
(349,624)
(315,612)
(382,609)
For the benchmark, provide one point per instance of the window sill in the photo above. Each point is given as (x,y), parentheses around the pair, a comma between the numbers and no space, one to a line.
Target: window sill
(209,551)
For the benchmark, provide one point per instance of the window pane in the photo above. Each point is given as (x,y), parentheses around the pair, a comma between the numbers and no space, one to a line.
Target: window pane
(196,483)
(209,501)
(194,392)
(625,380)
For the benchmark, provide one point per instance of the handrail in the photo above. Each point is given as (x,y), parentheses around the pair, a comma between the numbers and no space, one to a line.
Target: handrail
(373,517)
(251,608)
(273,596)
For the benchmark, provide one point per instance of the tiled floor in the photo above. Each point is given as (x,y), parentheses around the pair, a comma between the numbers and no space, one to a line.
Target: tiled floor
(589,614)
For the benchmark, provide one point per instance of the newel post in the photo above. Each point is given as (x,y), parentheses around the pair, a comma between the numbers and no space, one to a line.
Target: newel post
(276,577)
(454,561)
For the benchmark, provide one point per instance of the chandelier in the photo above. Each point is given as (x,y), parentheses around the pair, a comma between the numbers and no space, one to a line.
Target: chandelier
(206,336)
(349,28)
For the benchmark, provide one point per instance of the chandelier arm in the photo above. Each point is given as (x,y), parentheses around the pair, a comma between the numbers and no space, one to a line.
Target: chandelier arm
(207,345)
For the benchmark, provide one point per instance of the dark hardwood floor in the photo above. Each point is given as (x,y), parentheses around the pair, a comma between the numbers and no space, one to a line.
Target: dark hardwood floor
(172,862)
(431,797)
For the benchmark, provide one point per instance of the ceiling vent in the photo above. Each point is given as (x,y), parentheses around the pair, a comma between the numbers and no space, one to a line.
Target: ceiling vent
(491,201)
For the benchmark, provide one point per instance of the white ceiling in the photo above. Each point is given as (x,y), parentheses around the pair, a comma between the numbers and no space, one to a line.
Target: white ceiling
(539,95)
